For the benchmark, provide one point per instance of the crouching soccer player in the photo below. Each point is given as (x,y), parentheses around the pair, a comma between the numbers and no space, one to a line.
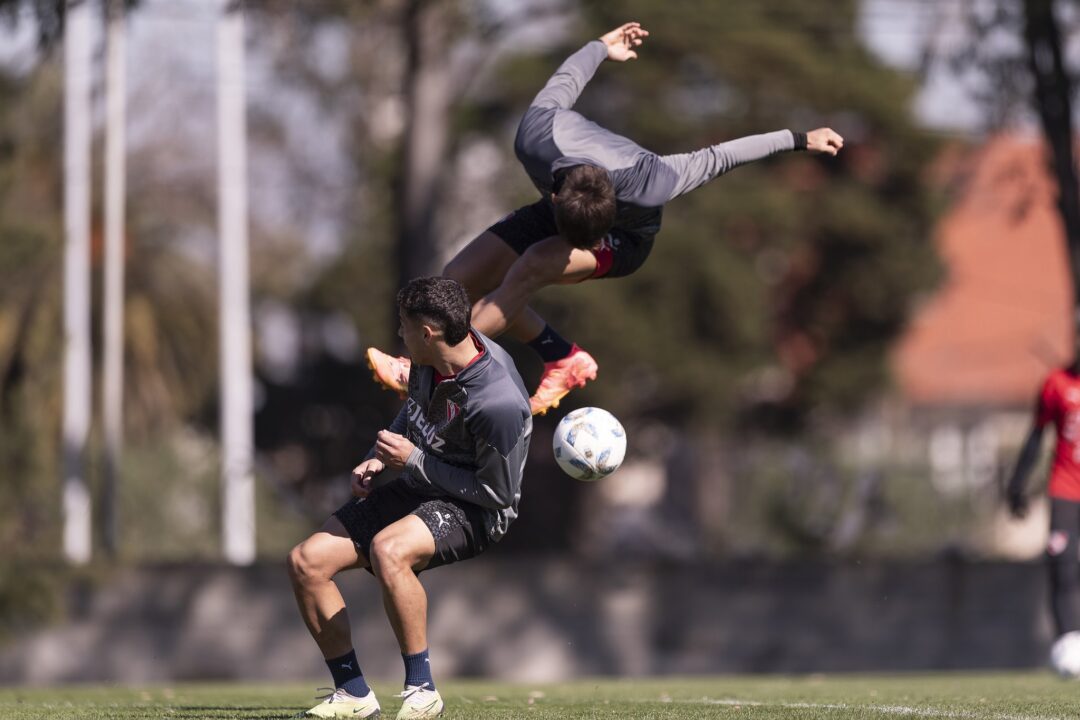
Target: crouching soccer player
(439,486)
(1058,403)
(602,197)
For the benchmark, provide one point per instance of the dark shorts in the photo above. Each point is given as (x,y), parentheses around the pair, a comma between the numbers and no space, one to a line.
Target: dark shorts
(1064,530)
(458,527)
(622,252)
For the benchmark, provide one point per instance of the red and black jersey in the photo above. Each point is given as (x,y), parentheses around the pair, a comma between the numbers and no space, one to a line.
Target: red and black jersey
(1059,403)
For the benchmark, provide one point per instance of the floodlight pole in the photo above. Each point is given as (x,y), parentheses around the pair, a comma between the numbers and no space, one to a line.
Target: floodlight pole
(76,506)
(113,371)
(237,432)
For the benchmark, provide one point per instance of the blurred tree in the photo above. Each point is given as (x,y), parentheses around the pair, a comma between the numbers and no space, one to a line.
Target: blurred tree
(29,311)
(30,367)
(1017,52)
(1053,102)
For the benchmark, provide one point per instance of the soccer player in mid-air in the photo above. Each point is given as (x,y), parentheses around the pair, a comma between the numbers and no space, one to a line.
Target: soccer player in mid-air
(600,208)
(1058,403)
(439,486)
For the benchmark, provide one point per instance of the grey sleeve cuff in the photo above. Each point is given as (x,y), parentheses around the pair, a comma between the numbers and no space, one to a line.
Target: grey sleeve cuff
(415,461)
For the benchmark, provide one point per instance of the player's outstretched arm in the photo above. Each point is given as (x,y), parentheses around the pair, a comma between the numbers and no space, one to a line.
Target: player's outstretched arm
(564,87)
(621,41)
(1015,496)
(668,176)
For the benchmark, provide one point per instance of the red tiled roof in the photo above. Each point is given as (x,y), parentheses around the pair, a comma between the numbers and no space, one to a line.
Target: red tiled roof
(1001,318)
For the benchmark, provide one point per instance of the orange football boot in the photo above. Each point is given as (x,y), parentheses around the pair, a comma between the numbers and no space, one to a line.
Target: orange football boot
(562,376)
(389,371)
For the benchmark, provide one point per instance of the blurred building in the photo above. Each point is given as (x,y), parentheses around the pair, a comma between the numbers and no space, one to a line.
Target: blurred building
(970,366)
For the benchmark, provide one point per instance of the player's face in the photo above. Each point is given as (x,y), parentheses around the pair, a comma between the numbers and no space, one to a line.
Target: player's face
(416,335)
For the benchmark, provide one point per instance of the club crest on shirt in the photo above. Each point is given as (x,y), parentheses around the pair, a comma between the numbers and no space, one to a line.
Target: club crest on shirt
(452,411)
(1059,540)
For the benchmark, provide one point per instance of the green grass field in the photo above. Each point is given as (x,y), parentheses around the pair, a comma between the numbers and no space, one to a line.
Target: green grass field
(1000,696)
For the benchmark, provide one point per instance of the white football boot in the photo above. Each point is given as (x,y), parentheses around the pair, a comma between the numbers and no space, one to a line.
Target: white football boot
(419,702)
(340,704)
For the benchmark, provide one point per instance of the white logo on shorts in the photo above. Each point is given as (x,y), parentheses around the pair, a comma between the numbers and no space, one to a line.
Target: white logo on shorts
(443,521)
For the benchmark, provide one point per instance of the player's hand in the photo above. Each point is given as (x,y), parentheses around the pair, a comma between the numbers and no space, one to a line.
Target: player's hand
(622,40)
(393,449)
(1018,505)
(363,474)
(824,140)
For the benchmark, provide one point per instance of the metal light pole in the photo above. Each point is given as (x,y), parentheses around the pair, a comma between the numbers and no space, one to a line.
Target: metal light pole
(237,432)
(77,384)
(113,372)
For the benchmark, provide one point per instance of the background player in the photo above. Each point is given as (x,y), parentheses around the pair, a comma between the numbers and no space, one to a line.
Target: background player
(439,486)
(1058,403)
(601,202)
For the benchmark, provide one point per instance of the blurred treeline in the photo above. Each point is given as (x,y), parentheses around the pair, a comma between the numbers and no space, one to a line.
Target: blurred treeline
(381,140)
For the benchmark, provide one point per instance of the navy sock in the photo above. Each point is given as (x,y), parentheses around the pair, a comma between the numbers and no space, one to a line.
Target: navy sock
(550,345)
(347,675)
(418,670)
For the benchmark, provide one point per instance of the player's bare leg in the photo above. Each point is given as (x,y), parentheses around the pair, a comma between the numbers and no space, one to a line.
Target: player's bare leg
(398,552)
(551,261)
(481,267)
(312,567)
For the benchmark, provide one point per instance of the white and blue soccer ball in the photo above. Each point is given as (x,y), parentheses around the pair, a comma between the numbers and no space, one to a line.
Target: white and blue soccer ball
(589,444)
(1065,655)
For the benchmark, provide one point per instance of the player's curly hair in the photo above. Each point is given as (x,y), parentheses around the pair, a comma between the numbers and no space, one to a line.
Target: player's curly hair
(440,301)
(584,205)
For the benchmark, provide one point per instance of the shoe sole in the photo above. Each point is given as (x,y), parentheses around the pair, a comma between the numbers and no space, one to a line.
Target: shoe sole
(375,714)
(375,376)
(579,382)
(438,714)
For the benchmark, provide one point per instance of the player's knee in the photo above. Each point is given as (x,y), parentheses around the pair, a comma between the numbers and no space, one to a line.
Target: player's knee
(388,555)
(303,568)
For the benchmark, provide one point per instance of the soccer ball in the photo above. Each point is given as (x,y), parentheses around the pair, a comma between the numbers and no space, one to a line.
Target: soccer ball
(1065,655)
(589,444)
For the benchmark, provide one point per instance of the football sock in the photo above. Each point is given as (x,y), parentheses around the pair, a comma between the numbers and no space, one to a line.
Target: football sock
(418,670)
(550,345)
(347,675)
